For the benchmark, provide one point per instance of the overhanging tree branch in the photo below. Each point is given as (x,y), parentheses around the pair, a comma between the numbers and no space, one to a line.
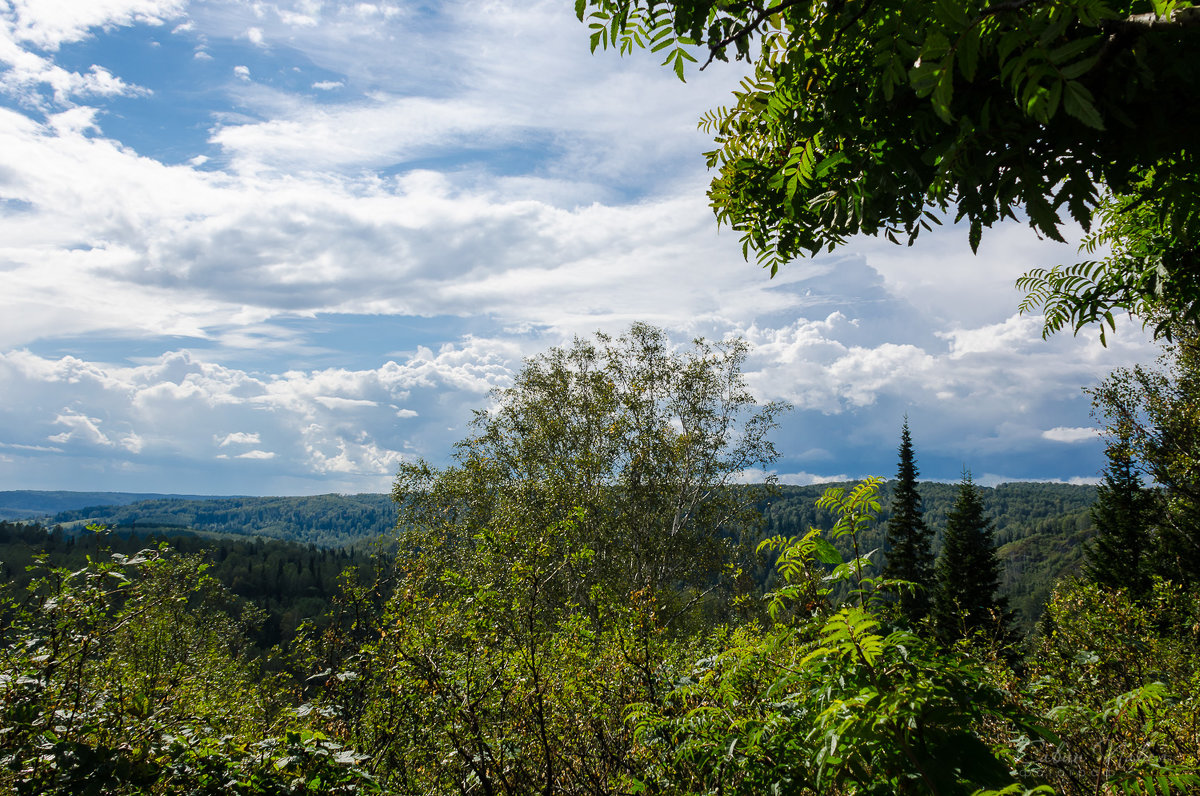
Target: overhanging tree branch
(750,28)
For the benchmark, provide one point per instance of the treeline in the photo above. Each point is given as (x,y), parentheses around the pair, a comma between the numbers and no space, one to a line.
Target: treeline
(324,520)
(1040,530)
(287,583)
(34,504)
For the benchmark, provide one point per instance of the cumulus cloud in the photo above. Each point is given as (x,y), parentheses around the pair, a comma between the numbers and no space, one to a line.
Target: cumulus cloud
(238,438)
(31,32)
(310,423)
(1070,435)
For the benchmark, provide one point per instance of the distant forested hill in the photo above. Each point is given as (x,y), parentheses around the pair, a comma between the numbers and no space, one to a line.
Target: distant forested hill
(1039,528)
(20,504)
(325,520)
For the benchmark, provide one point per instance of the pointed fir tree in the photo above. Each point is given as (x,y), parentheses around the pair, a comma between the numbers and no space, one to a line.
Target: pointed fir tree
(1124,515)
(910,541)
(968,572)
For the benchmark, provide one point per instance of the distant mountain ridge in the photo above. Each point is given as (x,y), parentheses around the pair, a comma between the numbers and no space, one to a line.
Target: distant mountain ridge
(324,520)
(24,504)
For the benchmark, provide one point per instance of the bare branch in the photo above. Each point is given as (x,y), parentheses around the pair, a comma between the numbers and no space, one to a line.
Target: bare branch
(1144,23)
(762,16)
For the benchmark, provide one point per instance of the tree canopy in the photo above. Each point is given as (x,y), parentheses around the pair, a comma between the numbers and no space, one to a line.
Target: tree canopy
(881,116)
(647,441)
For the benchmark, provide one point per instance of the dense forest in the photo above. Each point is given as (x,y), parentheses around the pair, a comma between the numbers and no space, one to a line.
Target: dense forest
(1040,530)
(288,583)
(586,600)
(324,520)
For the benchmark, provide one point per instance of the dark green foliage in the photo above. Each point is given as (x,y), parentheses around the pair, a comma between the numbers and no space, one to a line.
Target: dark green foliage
(825,700)
(909,540)
(1118,680)
(290,583)
(1040,531)
(1122,556)
(1157,411)
(968,572)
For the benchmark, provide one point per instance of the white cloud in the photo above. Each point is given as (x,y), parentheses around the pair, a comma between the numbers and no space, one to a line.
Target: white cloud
(241,72)
(808,479)
(48,25)
(1011,336)
(311,424)
(328,85)
(257,454)
(238,438)
(81,427)
(1070,435)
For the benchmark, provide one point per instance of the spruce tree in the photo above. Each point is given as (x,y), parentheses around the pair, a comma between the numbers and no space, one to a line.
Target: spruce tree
(910,541)
(968,572)
(1124,515)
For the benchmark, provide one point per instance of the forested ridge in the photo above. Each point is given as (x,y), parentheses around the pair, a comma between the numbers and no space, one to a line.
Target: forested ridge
(17,504)
(1040,529)
(326,520)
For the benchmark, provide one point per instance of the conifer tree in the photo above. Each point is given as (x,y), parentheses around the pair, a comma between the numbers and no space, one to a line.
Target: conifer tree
(1124,515)
(910,550)
(968,572)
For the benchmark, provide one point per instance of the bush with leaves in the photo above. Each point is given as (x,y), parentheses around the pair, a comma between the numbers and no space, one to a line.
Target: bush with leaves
(1155,411)
(128,676)
(493,677)
(1119,682)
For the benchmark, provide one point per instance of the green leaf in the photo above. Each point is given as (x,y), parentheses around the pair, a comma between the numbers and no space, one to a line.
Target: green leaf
(1078,102)
(968,53)
(825,552)
(944,92)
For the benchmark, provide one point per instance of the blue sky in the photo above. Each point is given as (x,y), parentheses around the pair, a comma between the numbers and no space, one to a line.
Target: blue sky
(279,247)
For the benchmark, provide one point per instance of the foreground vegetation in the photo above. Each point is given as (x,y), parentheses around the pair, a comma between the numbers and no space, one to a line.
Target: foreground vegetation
(577,605)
